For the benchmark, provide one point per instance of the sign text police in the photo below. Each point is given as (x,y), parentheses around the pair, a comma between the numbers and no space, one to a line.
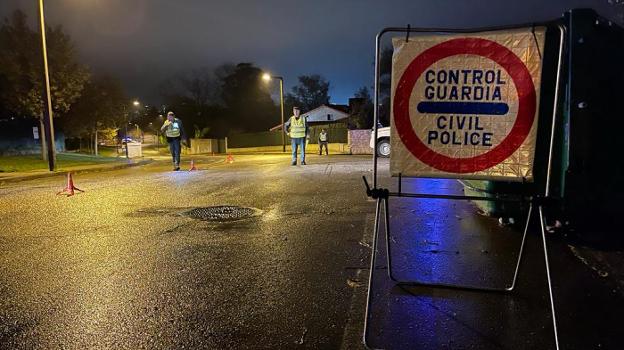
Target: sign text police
(457,98)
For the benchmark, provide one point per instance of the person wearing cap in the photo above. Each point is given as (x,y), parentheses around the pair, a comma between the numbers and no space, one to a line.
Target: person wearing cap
(173,130)
(297,129)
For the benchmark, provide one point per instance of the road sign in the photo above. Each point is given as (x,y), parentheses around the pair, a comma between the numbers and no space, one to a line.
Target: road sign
(465,106)
(35,132)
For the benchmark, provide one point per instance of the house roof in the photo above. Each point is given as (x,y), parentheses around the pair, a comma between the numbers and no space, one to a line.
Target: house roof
(338,108)
(341,110)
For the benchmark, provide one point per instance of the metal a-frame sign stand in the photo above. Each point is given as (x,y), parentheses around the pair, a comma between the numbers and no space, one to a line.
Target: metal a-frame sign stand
(536,201)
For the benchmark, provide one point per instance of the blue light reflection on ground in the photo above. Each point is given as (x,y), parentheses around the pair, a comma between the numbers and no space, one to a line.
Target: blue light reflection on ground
(423,242)
(437,240)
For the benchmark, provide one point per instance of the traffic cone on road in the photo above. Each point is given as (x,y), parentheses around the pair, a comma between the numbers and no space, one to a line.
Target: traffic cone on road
(229,159)
(70,188)
(193,167)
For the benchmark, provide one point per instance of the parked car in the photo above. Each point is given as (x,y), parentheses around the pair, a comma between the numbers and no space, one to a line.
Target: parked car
(382,144)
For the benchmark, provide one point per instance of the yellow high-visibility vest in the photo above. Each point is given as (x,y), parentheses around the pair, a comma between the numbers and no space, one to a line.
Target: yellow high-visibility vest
(297,127)
(173,129)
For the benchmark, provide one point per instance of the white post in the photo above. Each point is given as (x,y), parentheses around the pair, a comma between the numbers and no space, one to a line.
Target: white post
(95,143)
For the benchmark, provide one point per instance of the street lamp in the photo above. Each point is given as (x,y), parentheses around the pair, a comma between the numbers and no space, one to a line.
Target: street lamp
(136,103)
(48,122)
(267,78)
(160,119)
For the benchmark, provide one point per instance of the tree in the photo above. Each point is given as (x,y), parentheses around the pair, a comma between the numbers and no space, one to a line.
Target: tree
(196,96)
(618,10)
(247,99)
(21,69)
(102,106)
(385,76)
(362,115)
(311,92)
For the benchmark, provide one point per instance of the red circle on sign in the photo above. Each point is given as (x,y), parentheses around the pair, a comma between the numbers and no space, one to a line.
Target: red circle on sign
(468,46)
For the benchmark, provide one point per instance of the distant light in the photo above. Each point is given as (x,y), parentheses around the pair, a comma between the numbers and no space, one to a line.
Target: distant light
(266,77)
(136,103)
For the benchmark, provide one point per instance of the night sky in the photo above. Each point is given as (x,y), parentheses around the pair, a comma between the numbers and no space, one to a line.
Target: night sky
(144,41)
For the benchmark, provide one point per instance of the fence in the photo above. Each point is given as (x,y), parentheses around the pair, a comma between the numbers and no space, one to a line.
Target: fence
(17,137)
(199,146)
(256,139)
(336,134)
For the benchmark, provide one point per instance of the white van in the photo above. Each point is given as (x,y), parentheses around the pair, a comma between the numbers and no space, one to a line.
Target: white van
(382,144)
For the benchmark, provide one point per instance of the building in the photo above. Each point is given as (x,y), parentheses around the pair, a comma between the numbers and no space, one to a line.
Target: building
(325,115)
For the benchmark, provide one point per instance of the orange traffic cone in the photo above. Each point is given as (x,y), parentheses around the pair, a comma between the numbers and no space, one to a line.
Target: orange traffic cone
(193,167)
(229,159)
(70,188)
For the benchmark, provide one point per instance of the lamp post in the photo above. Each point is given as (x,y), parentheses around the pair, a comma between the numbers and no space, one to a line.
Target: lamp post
(126,137)
(48,122)
(160,119)
(136,103)
(267,77)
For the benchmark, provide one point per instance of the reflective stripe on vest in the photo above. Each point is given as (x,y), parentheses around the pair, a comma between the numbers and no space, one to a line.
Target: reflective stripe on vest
(173,129)
(323,137)
(297,127)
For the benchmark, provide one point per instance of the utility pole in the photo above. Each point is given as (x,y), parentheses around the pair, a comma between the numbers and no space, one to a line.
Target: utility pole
(282,110)
(267,78)
(125,132)
(48,114)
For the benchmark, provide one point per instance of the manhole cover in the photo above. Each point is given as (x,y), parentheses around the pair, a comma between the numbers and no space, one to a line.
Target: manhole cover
(222,213)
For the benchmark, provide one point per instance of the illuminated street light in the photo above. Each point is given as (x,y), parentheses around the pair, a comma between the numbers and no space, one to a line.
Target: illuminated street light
(136,103)
(267,78)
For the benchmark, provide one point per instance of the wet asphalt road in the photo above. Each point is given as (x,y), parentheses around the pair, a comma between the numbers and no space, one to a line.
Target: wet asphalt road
(438,241)
(121,267)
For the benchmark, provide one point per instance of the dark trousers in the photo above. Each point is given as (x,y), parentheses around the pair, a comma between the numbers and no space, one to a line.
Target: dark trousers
(174,147)
(321,144)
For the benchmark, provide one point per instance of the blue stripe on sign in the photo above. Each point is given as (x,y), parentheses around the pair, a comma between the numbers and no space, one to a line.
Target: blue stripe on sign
(489,108)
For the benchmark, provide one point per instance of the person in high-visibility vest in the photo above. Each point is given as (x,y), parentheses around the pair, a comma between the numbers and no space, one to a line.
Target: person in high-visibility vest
(297,129)
(322,141)
(173,130)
